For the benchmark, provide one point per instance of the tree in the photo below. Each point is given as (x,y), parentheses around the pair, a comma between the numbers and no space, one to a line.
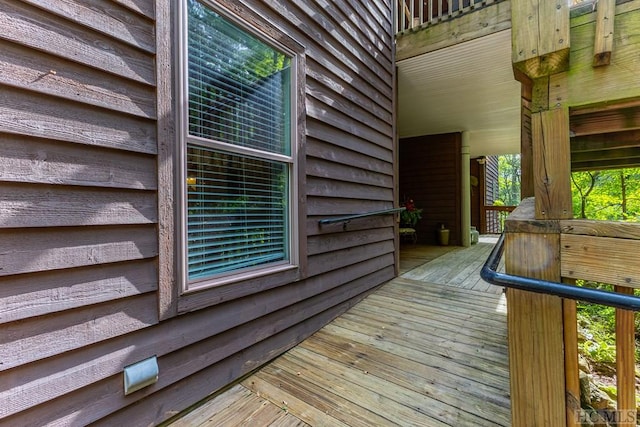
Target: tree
(612,195)
(509,173)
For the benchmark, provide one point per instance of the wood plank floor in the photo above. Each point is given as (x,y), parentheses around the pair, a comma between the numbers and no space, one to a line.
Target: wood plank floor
(426,349)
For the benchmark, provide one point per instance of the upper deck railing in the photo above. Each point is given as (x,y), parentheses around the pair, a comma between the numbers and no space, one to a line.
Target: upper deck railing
(410,14)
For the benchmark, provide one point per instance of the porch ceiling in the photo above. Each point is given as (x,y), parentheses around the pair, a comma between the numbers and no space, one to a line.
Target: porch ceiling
(465,87)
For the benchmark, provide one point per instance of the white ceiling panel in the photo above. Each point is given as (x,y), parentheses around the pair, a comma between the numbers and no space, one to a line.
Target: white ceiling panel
(466,87)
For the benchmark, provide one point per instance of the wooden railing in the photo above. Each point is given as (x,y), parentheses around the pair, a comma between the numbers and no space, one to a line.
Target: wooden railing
(493,217)
(565,251)
(410,14)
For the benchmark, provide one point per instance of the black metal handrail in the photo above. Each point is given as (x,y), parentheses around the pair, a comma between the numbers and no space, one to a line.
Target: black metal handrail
(490,274)
(347,218)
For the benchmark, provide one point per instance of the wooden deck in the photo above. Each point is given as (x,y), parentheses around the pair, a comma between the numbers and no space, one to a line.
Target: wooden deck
(426,349)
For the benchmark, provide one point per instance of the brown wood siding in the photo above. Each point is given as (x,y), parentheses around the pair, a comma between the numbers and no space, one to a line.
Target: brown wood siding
(491,179)
(430,175)
(88,282)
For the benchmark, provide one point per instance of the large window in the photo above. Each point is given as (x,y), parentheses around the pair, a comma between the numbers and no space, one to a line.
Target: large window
(238,151)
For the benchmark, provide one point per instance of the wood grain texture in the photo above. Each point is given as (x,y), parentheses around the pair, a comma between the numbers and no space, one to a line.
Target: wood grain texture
(50,75)
(605,24)
(626,361)
(571,368)
(40,161)
(540,37)
(601,259)
(36,29)
(35,339)
(592,85)
(53,206)
(536,355)
(31,295)
(104,17)
(44,117)
(552,164)
(32,250)
(615,229)
(380,375)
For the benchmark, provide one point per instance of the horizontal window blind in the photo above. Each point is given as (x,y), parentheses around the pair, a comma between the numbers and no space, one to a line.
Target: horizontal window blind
(237,212)
(239,87)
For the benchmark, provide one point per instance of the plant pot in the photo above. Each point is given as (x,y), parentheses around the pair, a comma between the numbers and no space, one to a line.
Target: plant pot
(443,236)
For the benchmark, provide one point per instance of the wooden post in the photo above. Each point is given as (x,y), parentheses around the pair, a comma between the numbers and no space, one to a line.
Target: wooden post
(552,164)
(625,363)
(536,356)
(526,148)
(571,369)
(540,36)
(603,45)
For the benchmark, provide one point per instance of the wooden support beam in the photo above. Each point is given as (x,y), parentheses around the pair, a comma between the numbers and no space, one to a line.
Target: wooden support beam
(625,363)
(526,147)
(571,367)
(622,119)
(540,36)
(552,164)
(536,342)
(603,45)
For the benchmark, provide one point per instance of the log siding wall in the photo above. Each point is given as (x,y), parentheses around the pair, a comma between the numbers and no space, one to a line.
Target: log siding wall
(87,279)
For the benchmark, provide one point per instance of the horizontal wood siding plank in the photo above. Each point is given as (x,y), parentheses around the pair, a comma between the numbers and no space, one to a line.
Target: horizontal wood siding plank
(37,294)
(105,17)
(348,239)
(37,29)
(328,114)
(50,75)
(308,20)
(357,21)
(34,115)
(331,207)
(331,188)
(32,250)
(338,154)
(348,107)
(143,7)
(325,169)
(32,160)
(57,206)
(344,258)
(29,340)
(332,22)
(321,131)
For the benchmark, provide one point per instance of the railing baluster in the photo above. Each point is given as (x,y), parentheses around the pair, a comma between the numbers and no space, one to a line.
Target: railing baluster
(430,10)
(421,12)
(571,369)
(625,362)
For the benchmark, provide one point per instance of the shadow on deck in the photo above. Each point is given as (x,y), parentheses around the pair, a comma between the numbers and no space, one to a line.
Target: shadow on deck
(428,348)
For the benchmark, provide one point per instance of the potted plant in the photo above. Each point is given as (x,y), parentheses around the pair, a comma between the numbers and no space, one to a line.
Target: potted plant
(411,215)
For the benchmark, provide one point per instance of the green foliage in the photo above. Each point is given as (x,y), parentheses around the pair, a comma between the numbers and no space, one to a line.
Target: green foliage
(612,195)
(509,173)
(597,324)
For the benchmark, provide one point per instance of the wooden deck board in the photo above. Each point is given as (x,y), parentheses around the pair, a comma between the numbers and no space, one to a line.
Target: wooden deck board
(428,348)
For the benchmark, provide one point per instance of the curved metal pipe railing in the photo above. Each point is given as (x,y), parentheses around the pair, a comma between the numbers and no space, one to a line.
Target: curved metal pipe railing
(490,274)
(347,218)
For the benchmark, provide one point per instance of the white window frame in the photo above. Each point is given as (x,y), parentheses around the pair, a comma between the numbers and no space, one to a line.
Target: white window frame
(182,123)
